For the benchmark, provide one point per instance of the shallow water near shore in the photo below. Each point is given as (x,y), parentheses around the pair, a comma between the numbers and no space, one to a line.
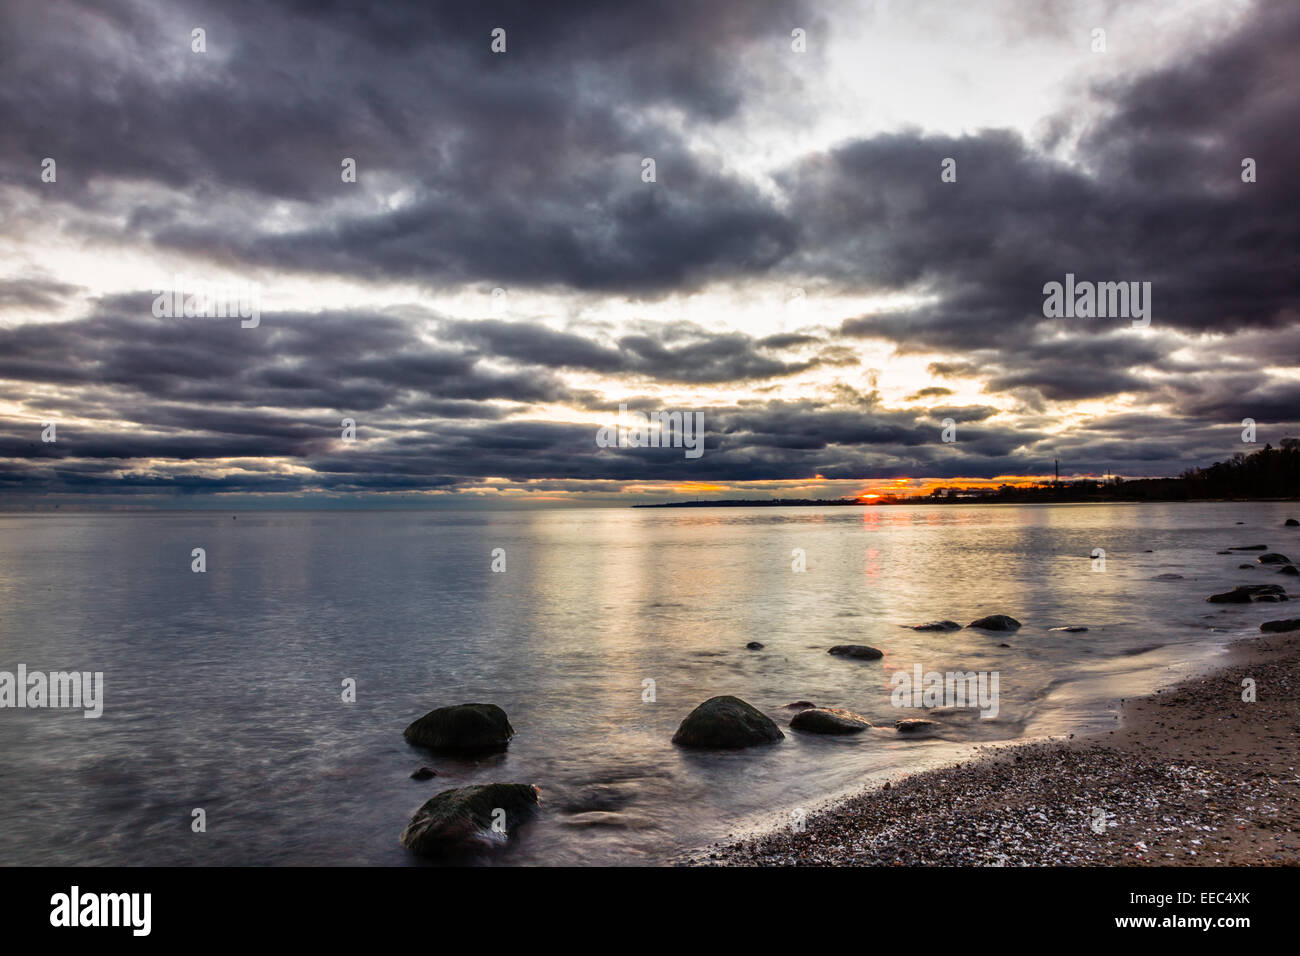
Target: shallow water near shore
(223,689)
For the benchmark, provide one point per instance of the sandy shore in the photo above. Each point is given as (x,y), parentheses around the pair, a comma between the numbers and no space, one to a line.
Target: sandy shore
(1194,775)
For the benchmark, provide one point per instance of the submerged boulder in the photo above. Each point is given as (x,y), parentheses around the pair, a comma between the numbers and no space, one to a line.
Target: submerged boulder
(1249,547)
(1290,569)
(463,727)
(829,720)
(726,723)
(860,651)
(1245,593)
(937,626)
(1291,523)
(460,820)
(1277,627)
(1273,558)
(601,797)
(1070,629)
(996,622)
(754,646)
(915,725)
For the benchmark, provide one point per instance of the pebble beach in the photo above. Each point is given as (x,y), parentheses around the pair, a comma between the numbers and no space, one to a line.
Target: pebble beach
(1194,775)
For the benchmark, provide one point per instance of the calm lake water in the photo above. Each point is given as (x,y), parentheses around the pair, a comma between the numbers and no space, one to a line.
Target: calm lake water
(223,689)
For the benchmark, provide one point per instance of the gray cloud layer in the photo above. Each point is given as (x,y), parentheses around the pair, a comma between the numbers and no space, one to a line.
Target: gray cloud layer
(525,169)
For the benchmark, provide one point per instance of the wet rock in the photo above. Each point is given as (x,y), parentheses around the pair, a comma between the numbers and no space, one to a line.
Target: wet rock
(1290,569)
(800,705)
(1291,523)
(424,773)
(1169,577)
(915,725)
(462,727)
(1246,567)
(1245,593)
(1277,627)
(754,646)
(726,723)
(996,622)
(461,820)
(1070,629)
(1249,547)
(1273,558)
(937,626)
(859,651)
(829,720)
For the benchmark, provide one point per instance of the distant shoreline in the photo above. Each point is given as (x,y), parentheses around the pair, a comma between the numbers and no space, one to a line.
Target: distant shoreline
(928,500)
(1265,475)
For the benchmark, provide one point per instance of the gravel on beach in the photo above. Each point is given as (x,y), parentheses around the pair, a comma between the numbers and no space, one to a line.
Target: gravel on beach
(1195,776)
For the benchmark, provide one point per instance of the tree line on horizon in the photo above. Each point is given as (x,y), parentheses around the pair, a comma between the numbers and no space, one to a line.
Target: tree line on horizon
(1268,473)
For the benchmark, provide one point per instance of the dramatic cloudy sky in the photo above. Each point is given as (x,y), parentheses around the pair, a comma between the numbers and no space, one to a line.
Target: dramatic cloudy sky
(798,271)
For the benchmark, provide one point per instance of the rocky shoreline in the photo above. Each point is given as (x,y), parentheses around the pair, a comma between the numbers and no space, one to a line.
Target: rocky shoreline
(1196,775)
(1200,773)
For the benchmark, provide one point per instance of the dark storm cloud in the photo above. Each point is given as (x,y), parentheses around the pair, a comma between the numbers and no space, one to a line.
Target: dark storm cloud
(1080,368)
(1166,205)
(35,293)
(1162,201)
(522,167)
(674,352)
(525,167)
(788,340)
(932,391)
(336,361)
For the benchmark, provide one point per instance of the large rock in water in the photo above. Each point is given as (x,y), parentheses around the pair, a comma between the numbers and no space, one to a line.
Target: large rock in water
(829,720)
(860,651)
(463,727)
(996,622)
(1292,523)
(1277,627)
(937,626)
(726,723)
(1245,593)
(460,820)
(1273,558)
